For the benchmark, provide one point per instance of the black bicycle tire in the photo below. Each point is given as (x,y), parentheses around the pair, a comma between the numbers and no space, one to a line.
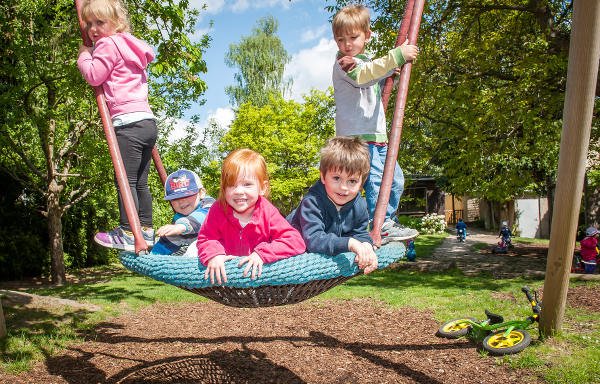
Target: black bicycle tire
(490,342)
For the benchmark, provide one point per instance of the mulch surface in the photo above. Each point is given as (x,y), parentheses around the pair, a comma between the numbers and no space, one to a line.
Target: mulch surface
(357,341)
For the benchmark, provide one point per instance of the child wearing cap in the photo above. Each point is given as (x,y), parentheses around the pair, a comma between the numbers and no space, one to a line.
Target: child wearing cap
(589,249)
(188,198)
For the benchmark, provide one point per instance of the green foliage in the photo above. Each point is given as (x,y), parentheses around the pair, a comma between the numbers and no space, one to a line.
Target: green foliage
(51,139)
(484,109)
(432,223)
(289,135)
(260,59)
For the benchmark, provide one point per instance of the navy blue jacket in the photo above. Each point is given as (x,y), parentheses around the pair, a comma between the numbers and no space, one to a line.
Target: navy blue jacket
(325,229)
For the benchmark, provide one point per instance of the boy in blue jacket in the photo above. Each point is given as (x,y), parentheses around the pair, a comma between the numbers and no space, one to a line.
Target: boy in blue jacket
(188,198)
(332,217)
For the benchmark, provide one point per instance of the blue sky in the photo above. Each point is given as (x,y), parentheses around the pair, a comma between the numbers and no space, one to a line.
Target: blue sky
(304,30)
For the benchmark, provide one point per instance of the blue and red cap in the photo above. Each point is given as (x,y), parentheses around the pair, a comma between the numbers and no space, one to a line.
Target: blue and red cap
(182,183)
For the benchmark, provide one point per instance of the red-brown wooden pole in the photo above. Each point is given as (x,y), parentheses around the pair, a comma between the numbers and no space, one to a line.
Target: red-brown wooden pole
(160,168)
(582,75)
(115,154)
(396,129)
(402,36)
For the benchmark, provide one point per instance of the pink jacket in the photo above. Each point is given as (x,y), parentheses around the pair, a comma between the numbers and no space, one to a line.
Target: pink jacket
(267,233)
(118,63)
(588,248)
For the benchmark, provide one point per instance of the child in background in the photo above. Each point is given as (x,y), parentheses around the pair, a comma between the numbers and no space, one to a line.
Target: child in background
(505,233)
(589,250)
(333,216)
(359,110)
(118,62)
(461,229)
(243,223)
(184,190)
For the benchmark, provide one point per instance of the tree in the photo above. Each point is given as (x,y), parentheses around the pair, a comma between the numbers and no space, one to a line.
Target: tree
(50,135)
(2,322)
(289,135)
(487,92)
(260,59)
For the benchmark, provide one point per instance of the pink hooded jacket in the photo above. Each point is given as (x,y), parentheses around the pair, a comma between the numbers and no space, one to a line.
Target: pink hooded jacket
(588,248)
(118,63)
(267,233)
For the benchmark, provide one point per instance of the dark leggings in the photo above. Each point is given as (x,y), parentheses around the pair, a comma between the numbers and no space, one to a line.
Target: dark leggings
(136,141)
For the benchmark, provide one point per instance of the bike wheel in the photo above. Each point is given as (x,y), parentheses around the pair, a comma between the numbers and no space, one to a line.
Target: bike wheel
(454,329)
(498,344)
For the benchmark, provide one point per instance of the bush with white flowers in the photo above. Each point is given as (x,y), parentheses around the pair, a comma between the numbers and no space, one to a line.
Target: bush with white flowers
(433,223)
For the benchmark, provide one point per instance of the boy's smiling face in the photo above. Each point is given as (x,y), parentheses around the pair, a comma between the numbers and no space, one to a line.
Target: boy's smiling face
(352,42)
(341,187)
(186,205)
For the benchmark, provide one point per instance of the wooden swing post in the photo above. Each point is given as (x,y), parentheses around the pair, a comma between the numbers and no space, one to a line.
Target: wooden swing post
(584,55)
(396,127)
(115,154)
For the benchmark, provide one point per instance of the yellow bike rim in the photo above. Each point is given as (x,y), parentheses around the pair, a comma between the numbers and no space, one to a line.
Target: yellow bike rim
(500,341)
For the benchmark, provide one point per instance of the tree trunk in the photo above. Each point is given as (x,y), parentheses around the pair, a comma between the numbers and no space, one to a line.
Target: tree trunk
(2,322)
(57,262)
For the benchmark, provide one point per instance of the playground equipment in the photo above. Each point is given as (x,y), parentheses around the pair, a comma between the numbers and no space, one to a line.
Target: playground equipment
(497,336)
(287,281)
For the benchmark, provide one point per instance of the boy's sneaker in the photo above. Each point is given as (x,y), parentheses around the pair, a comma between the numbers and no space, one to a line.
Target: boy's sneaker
(392,231)
(119,238)
(148,234)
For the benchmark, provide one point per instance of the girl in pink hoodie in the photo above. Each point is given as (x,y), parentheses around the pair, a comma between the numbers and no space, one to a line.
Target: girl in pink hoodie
(589,249)
(243,223)
(117,62)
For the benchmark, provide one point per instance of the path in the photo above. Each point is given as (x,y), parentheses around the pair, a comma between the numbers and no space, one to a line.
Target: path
(524,260)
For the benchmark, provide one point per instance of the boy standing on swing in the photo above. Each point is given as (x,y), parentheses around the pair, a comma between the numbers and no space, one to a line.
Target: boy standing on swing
(359,110)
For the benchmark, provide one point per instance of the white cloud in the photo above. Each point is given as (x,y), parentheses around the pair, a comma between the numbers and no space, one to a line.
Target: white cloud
(314,33)
(242,5)
(311,68)
(178,131)
(199,34)
(223,116)
(216,6)
(212,6)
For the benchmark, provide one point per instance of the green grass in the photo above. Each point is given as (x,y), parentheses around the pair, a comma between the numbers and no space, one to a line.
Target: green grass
(572,357)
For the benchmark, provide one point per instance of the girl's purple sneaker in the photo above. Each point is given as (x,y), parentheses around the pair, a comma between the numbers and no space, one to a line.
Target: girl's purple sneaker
(120,238)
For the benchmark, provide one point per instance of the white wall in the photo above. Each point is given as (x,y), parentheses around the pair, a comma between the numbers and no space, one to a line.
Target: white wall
(532,216)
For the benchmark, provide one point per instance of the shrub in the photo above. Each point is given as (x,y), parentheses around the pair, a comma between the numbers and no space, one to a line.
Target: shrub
(433,223)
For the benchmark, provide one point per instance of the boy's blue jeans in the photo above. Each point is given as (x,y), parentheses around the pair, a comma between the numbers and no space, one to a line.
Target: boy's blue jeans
(373,183)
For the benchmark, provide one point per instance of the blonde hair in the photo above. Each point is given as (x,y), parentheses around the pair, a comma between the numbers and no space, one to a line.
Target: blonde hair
(107,10)
(346,154)
(351,18)
(243,162)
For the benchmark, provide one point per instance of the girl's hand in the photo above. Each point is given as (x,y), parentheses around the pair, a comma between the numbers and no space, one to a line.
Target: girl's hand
(254,262)
(409,51)
(170,230)
(83,48)
(216,269)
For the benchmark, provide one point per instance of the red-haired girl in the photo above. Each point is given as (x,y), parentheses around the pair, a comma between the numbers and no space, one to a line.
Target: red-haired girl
(244,223)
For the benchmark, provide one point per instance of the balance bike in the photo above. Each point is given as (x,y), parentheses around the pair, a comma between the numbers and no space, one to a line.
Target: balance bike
(498,337)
